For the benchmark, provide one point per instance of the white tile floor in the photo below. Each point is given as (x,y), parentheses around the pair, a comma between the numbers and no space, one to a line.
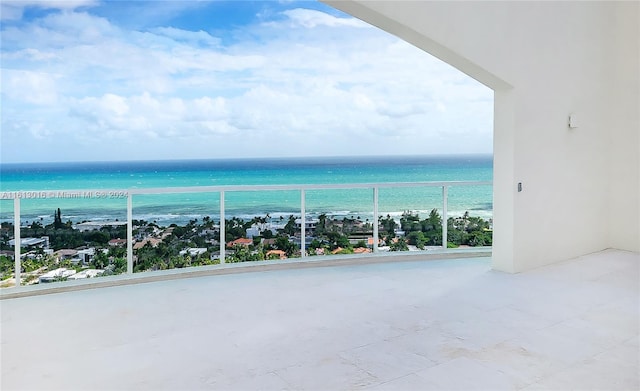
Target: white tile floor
(430,325)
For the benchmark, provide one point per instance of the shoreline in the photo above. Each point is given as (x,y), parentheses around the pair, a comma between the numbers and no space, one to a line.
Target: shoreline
(183,219)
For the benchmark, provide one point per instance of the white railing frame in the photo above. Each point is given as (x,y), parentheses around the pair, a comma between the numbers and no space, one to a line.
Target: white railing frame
(17,196)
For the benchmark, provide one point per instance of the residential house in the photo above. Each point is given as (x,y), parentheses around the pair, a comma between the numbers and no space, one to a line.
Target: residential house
(193,252)
(117,242)
(240,242)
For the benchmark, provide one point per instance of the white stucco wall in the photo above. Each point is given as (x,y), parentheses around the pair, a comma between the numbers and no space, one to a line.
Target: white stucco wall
(545,61)
(624,136)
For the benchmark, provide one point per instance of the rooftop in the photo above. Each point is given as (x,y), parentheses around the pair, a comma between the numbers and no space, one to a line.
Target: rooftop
(437,324)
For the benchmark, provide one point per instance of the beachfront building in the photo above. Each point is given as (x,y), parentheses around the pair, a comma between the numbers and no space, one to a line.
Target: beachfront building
(56,275)
(85,255)
(297,240)
(30,243)
(309,225)
(96,225)
(87,273)
(65,254)
(257,229)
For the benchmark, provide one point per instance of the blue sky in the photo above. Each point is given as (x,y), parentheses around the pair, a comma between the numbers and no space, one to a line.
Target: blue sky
(90,80)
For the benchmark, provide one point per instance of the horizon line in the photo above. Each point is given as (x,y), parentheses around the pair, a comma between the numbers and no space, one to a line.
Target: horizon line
(334,157)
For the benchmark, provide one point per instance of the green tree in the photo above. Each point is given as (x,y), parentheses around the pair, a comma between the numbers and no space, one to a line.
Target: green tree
(283,243)
(387,224)
(57,219)
(432,228)
(410,222)
(336,239)
(234,228)
(6,267)
(315,243)
(417,239)
(118,265)
(479,238)
(399,245)
(322,224)
(455,233)
(100,260)
(290,227)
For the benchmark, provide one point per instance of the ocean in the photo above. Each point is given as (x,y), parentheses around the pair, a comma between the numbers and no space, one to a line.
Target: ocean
(166,209)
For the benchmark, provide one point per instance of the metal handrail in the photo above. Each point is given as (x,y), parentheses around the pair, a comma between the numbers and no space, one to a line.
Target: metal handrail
(17,196)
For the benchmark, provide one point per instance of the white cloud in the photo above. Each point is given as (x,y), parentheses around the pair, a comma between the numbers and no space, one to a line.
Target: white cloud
(126,117)
(313,83)
(30,87)
(196,37)
(312,18)
(30,55)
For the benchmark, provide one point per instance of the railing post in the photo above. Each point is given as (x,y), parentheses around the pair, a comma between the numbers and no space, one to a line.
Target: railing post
(375,219)
(17,241)
(445,196)
(129,233)
(303,223)
(223,242)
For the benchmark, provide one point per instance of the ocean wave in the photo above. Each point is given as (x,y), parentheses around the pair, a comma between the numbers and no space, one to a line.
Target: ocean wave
(165,219)
(180,208)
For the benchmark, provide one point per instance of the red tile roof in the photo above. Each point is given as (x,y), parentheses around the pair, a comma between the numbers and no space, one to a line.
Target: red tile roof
(240,242)
(279,253)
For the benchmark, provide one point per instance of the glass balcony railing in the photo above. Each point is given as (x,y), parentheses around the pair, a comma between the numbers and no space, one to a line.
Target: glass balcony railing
(108,232)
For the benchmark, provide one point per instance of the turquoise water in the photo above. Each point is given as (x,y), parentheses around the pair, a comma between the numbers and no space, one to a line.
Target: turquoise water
(168,208)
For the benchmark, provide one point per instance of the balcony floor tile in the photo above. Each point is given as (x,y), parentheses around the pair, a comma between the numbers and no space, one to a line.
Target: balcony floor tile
(428,325)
